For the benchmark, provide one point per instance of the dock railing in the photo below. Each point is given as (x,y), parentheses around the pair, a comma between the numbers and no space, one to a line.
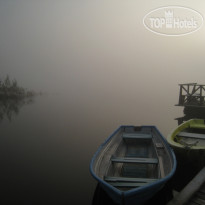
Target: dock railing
(191,94)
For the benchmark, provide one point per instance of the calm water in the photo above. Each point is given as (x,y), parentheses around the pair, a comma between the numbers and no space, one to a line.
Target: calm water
(47,144)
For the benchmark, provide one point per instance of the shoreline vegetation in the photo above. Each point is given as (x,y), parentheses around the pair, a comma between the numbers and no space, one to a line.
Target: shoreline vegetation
(10,89)
(13,97)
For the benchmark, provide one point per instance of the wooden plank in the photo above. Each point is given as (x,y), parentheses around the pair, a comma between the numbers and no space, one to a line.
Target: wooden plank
(136,136)
(199,201)
(161,167)
(192,203)
(127,184)
(134,160)
(189,190)
(191,135)
(129,179)
(202,189)
(200,195)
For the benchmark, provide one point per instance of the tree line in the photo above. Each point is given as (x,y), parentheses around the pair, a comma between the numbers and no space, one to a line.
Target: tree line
(10,88)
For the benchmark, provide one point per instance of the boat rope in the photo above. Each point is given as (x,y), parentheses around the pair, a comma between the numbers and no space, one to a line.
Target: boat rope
(188,145)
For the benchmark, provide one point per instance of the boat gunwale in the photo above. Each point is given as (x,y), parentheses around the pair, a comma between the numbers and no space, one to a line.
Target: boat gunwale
(129,193)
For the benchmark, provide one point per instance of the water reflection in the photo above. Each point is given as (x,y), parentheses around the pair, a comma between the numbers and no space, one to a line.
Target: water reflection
(11,106)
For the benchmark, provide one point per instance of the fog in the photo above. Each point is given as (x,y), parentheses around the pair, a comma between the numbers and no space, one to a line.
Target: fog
(100,55)
(96,46)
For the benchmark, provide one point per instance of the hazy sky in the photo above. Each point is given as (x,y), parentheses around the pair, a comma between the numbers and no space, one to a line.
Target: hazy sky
(80,45)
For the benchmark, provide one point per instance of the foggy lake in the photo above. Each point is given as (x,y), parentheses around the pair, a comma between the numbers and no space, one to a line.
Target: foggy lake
(99,68)
(47,146)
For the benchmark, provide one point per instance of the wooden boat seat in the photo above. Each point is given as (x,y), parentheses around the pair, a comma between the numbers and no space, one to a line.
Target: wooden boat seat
(129,179)
(134,160)
(136,136)
(127,184)
(191,135)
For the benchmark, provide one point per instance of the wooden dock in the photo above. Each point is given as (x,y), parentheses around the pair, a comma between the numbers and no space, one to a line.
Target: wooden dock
(191,94)
(198,198)
(193,193)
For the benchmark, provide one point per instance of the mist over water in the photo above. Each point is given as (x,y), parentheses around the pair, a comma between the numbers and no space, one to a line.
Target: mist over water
(46,148)
(100,68)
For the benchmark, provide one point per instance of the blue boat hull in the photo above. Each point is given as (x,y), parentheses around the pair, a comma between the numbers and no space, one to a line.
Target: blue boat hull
(134,195)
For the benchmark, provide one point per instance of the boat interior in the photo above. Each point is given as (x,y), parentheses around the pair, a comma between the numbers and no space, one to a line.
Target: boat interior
(190,137)
(137,160)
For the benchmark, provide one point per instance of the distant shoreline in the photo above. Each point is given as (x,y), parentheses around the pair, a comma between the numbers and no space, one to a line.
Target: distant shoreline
(16,95)
(10,90)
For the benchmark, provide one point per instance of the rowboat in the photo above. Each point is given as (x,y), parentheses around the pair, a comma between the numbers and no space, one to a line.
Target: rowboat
(188,141)
(133,164)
